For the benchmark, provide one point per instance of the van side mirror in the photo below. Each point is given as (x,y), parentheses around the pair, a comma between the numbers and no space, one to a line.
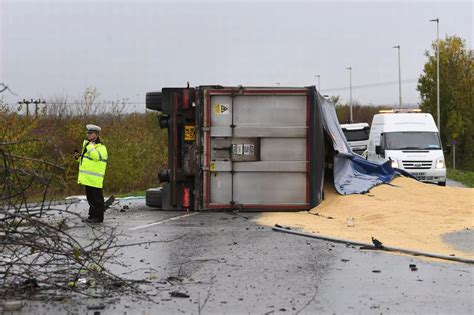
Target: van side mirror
(378,150)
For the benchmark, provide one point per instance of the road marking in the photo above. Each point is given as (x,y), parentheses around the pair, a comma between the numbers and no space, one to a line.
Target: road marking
(163,221)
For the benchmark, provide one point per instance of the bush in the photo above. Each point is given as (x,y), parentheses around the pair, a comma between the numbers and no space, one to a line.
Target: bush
(137,147)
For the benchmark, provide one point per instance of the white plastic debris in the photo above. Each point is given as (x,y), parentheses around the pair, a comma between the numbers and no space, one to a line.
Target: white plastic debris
(131,198)
(12,306)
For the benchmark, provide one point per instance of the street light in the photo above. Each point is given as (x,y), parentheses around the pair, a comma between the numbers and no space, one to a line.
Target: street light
(319,81)
(399,79)
(437,74)
(350,92)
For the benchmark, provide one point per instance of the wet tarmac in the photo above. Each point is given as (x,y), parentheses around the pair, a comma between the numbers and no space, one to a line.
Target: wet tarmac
(223,263)
(453,183)
(462,240)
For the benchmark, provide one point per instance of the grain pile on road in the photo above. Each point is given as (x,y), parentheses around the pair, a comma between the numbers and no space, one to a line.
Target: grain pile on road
(406,214)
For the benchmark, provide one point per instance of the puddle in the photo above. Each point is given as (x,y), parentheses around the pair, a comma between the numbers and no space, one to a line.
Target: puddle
(461,240)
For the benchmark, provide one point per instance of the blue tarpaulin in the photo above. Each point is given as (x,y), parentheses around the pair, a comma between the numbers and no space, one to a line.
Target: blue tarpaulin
(352,173)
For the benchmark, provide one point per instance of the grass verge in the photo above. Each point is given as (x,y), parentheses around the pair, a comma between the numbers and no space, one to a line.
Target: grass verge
(136,193)
(464,177)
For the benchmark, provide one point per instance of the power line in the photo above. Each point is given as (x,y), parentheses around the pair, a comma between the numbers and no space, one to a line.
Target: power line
(369,85)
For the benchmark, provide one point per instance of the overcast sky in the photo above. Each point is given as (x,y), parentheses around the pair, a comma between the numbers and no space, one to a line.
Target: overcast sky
(126,48)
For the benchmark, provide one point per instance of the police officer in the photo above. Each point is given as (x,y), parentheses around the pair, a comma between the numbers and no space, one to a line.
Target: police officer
(92,164)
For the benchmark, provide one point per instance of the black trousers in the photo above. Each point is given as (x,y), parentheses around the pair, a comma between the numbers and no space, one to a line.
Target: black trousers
(95,198)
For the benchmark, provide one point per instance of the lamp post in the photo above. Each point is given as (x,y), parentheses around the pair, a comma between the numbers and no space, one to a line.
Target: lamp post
(350,93)
(399,79)
(437,74)
(319,81)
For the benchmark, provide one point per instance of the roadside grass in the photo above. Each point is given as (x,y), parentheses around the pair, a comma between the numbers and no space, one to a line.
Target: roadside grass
(464,177)
(136,193)
(137,149)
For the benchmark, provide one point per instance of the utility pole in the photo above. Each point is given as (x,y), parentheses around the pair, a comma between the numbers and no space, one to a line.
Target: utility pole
(36,102)
(399,79)
(319,82)
(350,92)
(28,102)
(437,75)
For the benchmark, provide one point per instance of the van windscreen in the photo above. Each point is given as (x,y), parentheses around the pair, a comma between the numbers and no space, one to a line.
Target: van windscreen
(412,141)
(356,135)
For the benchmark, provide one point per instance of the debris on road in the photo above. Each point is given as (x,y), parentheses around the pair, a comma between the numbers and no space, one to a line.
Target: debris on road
(12,306)
(281,227)
(377,243)
(96,307)
(178,294)
(109,202)
(378,246)
(413,215)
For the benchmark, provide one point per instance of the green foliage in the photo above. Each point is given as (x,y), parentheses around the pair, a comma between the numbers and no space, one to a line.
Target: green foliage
(359,113)
(137,150)
(464,177)
(136,145)
(456,95)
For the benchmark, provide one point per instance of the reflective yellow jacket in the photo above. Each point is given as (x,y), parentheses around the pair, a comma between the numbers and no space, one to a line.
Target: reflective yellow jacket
(92,164)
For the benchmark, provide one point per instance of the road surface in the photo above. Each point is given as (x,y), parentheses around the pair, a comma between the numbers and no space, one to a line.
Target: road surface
(229,265)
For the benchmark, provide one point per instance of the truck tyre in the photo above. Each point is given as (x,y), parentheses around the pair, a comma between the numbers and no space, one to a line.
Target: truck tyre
(153,197)
(154,101)
(441,183)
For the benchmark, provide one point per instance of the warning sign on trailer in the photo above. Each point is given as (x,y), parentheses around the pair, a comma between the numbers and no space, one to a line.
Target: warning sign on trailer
(189,133)
(221,109)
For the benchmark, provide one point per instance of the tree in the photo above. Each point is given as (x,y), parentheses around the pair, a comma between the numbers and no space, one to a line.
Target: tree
(456,64)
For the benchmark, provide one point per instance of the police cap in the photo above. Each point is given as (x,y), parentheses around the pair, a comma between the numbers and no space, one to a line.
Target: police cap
(93,128)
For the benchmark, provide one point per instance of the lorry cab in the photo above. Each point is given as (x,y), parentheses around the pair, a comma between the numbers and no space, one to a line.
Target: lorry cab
(357,135)
(411,141)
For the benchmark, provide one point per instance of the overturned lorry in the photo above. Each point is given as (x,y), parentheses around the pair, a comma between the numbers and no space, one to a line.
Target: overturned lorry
(253,149)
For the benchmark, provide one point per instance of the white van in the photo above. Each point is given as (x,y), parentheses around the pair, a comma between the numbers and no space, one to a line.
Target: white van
(357,135)
(411,141)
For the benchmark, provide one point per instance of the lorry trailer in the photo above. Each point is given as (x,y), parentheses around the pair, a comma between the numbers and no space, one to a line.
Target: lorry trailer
(245,148)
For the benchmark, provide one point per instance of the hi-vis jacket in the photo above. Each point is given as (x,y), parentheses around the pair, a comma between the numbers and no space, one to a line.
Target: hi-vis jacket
(92,164)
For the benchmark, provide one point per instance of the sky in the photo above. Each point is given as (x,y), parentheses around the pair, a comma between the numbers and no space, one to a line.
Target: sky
(127,48)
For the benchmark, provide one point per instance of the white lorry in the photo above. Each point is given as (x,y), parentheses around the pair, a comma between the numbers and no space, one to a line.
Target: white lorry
(411,141)
(357,135)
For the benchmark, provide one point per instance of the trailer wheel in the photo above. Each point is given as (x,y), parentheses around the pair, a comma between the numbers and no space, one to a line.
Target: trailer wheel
(153,197)
(154,101)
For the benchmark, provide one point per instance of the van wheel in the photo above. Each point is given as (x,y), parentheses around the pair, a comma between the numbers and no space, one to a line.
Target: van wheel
(153,197)
(441,183)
